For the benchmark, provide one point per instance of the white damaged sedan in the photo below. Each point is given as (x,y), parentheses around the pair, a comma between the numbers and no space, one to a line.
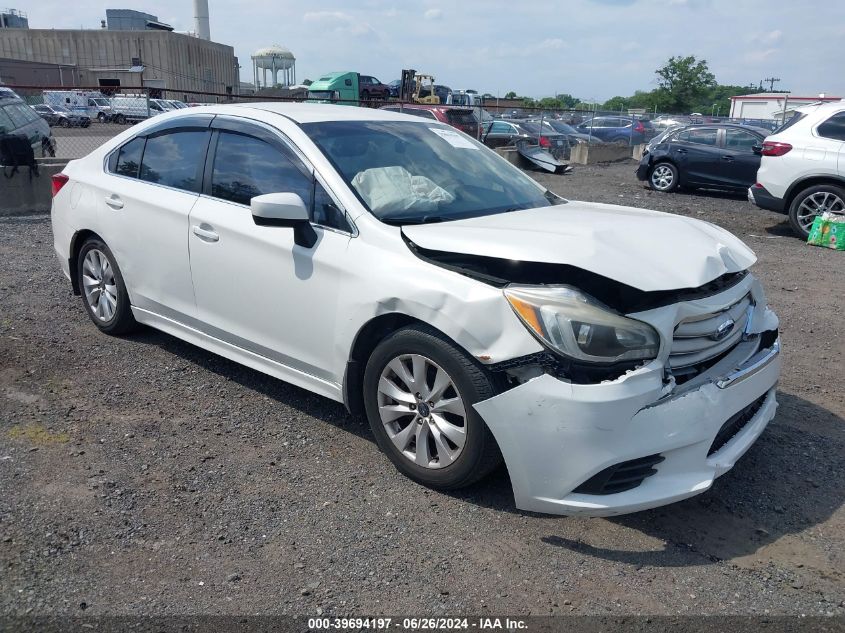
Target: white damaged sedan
(615,359)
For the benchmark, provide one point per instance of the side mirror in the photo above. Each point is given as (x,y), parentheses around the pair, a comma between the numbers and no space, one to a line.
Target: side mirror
(757,149)
(284,209)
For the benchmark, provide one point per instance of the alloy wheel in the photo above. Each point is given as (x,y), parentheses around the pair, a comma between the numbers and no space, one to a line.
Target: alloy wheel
(662,177)
(816,204)
(99,285)
(421,410)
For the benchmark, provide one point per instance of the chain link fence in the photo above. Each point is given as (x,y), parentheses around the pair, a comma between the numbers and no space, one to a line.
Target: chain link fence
(80,119)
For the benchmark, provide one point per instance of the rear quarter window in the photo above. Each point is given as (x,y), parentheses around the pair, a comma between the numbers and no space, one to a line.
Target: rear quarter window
(792,121)
(126,161)
(834,127)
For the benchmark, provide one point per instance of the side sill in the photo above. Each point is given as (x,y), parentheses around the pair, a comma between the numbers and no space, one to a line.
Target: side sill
(239,355)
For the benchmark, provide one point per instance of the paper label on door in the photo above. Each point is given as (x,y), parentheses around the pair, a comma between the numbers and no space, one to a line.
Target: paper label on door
(455,139)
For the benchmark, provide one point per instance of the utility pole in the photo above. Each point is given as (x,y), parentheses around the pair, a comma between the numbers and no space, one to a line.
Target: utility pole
(772,81)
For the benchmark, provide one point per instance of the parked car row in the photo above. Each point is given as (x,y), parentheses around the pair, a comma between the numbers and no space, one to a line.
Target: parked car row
(61,116)
(77,108)
(798,170)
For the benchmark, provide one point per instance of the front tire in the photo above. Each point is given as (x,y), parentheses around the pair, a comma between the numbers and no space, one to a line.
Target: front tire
(663,177)
(812,202)
(418,395)
(103,289)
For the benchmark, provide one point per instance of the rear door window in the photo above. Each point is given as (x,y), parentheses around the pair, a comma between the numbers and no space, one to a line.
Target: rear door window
(740,140)
(173,159)
(834,127)
(699,136)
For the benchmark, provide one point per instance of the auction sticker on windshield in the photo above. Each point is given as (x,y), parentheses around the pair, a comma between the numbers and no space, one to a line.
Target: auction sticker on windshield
(455,139)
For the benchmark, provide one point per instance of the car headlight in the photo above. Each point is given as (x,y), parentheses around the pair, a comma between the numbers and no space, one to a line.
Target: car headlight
(579,327)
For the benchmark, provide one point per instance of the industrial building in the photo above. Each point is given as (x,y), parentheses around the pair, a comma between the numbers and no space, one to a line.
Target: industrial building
(771,105)
(131,49)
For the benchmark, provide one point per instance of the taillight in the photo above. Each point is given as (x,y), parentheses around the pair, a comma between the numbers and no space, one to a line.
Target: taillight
(544,142)
(58,181)
(775,148)
(639,127)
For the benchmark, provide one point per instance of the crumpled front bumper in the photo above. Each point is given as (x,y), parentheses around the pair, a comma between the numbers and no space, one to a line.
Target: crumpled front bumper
(555,435)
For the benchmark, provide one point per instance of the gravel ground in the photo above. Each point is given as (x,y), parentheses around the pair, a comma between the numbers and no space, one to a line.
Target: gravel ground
(142,475)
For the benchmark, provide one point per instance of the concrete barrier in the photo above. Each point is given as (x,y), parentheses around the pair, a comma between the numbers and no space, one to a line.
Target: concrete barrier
(584,154)
(638,152)
(20,195)
(511,154)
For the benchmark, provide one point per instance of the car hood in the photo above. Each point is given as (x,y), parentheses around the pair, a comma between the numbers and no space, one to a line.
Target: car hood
(648,250)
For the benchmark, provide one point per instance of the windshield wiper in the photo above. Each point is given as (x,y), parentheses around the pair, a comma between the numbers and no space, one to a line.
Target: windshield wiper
(425,219)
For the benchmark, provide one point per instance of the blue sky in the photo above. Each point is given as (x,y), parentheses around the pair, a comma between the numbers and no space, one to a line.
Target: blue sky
(593,49)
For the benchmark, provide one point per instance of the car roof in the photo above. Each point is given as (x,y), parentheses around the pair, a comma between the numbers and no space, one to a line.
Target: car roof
(298,112)
(822,106)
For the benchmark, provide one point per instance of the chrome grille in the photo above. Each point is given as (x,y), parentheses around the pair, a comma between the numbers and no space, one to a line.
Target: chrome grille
(702,337)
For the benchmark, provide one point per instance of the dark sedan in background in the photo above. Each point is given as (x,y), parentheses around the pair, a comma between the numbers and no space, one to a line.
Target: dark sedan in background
(618,129)
(499,133)
(61,116)
(720,156)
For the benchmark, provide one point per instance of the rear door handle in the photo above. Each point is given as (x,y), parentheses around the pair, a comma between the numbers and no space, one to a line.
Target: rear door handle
(728,158)
(114,201)
(205,234)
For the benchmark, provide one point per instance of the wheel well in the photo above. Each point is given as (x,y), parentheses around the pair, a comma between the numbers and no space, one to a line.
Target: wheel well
(368,337)
(663,161)
(76,242)
(799,186)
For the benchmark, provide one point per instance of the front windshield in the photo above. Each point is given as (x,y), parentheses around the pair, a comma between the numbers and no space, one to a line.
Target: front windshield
(406,172)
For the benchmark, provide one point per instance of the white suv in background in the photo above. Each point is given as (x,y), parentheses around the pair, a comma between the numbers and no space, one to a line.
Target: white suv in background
(802,172)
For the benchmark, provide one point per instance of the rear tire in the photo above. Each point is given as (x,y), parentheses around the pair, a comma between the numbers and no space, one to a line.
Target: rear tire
(120,119)
(459,449)
(663,177)
(812,202)
(103,289)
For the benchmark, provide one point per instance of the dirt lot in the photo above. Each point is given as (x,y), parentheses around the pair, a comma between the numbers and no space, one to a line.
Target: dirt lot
(141,475)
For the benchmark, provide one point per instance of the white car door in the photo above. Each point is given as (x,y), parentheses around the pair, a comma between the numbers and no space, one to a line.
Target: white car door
(255,288)
(145,195)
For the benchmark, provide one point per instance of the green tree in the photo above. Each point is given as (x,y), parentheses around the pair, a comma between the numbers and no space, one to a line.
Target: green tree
(307,82)
(567,101)
(616,104)
(550,103)
(511,95)
(685,80)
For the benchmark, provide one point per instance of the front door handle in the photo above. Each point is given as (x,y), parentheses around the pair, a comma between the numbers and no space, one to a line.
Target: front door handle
(681,150)
(114,201)
(728,158)
(205,234)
